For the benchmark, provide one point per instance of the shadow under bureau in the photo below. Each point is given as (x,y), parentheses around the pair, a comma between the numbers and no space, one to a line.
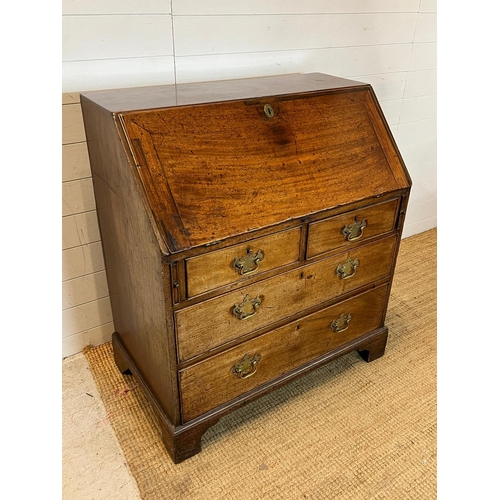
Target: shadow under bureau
(250,230)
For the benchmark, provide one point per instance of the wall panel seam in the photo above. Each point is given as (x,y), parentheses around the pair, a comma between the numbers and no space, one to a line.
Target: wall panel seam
(428,119)
(129,14)
(238,53)
(415,205)
(418,142)
(419,95)
(302,14)
(82,245)
(173,38)
(75,179)
(82,275)
(88,330)
(76,306)
(411,51)
(113,59)
(78,278)
(78,213)
(416,165)
(421,70)
(422,220)
(328,47)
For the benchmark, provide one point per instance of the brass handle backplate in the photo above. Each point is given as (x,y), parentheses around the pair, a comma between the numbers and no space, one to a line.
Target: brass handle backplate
(341,323)
(247,308)
(354,231)
(347,269)
(249,263)
(247,366)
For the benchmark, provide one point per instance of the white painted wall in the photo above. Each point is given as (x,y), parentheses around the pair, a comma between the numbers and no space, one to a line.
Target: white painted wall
(390,44)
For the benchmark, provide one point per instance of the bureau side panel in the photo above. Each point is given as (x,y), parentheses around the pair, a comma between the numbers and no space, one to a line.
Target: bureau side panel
(140,303)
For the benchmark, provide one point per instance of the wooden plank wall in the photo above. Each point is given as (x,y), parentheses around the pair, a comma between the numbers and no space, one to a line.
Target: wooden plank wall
(86,310)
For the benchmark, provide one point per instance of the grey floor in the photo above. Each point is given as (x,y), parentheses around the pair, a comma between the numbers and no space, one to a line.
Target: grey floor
(93,464)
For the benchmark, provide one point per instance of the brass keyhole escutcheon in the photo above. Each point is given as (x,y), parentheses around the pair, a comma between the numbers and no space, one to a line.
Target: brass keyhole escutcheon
(269,111)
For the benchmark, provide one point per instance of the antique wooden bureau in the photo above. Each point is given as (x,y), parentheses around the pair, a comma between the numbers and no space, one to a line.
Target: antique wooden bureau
(250,230)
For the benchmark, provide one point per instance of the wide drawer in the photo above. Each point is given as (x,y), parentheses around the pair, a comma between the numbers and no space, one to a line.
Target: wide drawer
(236,371)
(222,267)
(346,229)
(204,326)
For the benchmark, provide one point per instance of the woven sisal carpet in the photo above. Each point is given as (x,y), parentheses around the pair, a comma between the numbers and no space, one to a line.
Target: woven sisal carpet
(350,430)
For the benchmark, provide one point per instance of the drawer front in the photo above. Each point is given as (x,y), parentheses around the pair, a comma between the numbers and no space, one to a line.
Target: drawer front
(227,375)
(204,326)
(347,229)
(222,267)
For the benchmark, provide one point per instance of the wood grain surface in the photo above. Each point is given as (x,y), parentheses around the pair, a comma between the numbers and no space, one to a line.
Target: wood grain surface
(231,169)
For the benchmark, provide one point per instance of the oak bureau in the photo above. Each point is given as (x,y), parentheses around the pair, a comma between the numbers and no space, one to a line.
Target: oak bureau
(250,231)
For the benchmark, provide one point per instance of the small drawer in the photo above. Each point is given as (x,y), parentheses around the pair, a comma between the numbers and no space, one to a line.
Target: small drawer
(214,322)
(222,267)
(343,230)
(236,371)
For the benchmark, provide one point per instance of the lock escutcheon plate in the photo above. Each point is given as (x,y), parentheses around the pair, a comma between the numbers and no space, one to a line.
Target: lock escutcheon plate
(269,111)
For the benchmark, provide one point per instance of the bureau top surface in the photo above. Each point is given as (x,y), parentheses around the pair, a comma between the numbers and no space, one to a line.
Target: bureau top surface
(187,94)
(253,153)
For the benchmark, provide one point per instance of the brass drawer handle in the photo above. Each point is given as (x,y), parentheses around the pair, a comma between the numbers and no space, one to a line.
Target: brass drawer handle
(354,231)
(341,323)
(347,269)
(247,366)
(248,308)
(249,263)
